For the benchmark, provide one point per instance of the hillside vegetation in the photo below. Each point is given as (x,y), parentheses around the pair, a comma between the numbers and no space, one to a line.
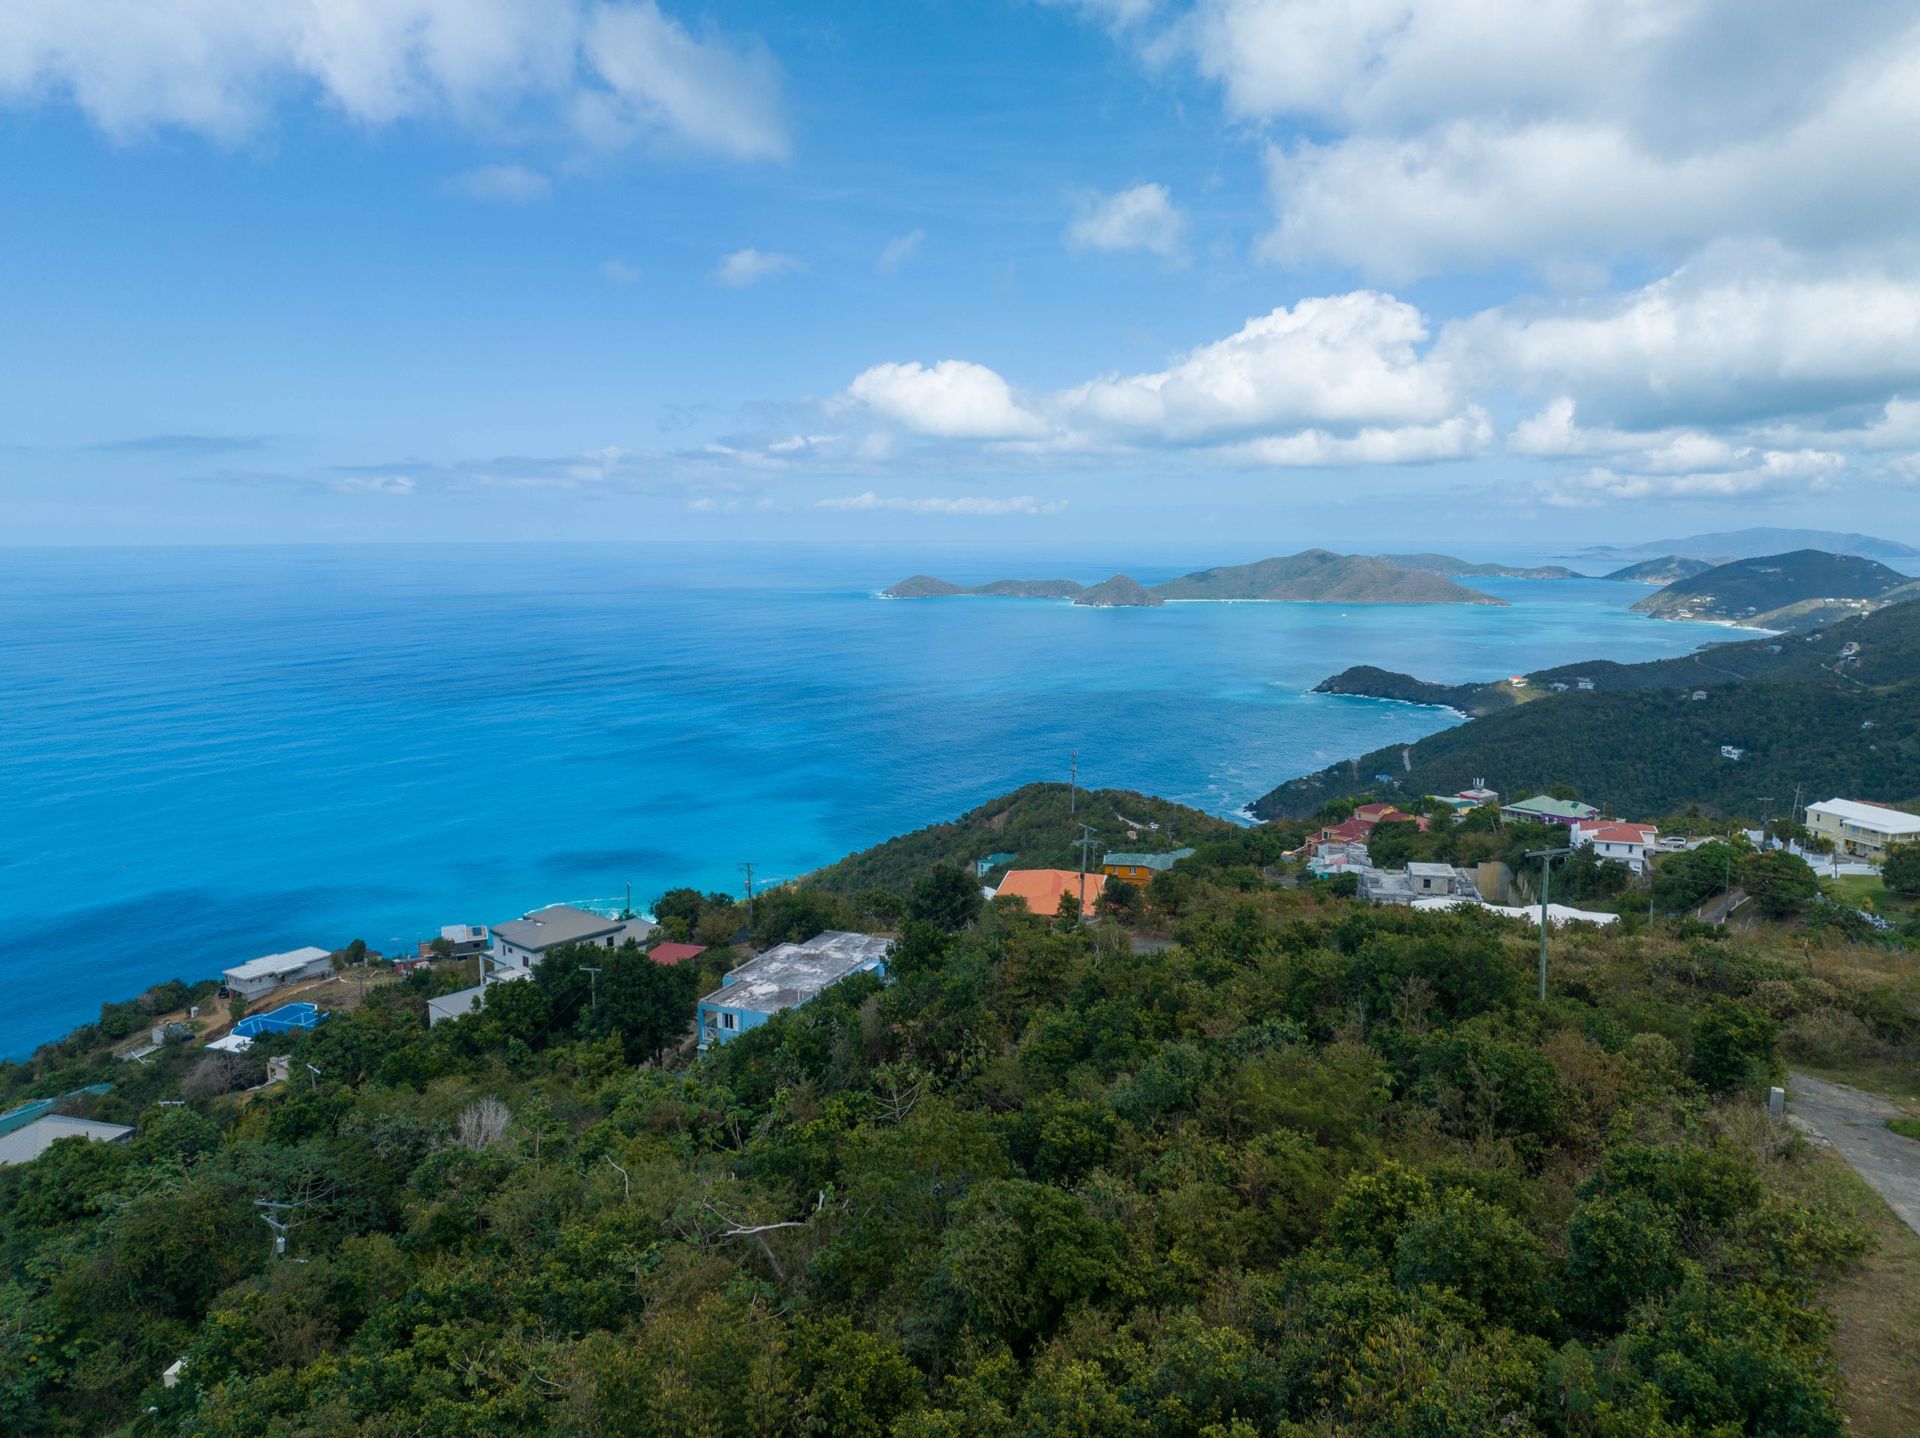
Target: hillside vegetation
(1835,712)
(1454,568)
(1802,590)
(1035,823)
(1317,1170)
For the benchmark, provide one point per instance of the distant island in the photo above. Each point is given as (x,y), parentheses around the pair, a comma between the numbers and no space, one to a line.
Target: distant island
(1667,569)
(1805,589)
(1314,576)
(1451,568)
(1753,543)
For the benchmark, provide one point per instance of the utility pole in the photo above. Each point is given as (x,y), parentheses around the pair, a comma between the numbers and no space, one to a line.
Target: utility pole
(1766,814)
(269,1215)
(593,986)
(1546,857)
(749,868)
(1083,843)
(1073,784)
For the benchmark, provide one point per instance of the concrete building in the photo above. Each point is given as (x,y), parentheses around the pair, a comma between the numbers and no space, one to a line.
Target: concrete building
(1629,844)
(461,1002)
(1543,810)
(785,977)
(461,941)
(523,942)
(28,1142)
(1139,869)
(275,971)
(1862,829)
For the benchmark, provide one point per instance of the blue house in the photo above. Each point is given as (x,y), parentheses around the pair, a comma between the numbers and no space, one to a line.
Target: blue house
(784,978)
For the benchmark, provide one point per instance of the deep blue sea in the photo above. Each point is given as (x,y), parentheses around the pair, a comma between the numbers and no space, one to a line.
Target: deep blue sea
(208,755)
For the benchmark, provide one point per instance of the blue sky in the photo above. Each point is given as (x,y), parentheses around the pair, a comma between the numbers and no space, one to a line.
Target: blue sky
(1485,272)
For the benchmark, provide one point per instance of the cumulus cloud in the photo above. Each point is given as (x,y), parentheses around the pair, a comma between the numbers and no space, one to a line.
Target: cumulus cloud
(1474,131)
(1752,475)
(750,266)
(977,505)
(1460,437)
(953,399)
(609,70)
(501,184)
(1141,218)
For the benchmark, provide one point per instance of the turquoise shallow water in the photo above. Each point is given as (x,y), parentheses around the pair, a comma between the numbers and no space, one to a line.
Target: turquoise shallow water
(207,755)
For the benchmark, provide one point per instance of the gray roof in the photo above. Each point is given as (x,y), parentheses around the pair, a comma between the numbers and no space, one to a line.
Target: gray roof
(1159,863)
(24,1145)
(1429,871)
(272,964)
(555,925)
(791,974)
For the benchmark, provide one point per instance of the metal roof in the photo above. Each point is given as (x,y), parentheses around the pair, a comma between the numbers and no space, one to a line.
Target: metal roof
(271,964)
(1159,863)
(1558,808)
(790,974)
(24,1145)
(1877,817)
(554,925)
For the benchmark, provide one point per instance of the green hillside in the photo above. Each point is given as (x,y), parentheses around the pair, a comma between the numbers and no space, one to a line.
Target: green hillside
(1321,576)
(1037,824)
(1779,591)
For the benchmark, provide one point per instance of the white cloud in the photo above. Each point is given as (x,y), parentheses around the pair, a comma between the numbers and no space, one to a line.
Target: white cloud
(375,484)
(1461,437)
(618,272)
(750,266)
(612,70)
(1473,131)
(978,505)
(501,184)
(1141,218)
(953,399)
(898,249)
(1345,359)
(1772,473)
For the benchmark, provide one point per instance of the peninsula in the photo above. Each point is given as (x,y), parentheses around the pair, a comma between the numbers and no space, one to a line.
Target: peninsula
(1802,590)
(1314,576)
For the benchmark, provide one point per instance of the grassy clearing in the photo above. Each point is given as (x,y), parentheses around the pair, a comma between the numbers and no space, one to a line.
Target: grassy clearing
(1868,891)
(1876,1309)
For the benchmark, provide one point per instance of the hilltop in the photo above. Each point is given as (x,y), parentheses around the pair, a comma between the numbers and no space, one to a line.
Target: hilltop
(1667,569)
(1806,589)
(1119,592)
(1321,576)
(1451,568)
(1035,823)
(1836,710)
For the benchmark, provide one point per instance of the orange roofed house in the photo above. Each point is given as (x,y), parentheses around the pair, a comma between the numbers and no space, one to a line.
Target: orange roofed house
(1040,889)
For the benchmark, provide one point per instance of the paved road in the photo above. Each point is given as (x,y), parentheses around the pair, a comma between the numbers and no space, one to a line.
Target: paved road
(1855,1123)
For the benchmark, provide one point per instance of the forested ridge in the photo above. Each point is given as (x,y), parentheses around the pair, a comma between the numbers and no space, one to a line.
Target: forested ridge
(1316,1170)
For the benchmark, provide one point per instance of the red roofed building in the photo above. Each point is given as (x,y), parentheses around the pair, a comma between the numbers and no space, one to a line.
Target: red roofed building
(1629,844)
(671,953)
(1040,889)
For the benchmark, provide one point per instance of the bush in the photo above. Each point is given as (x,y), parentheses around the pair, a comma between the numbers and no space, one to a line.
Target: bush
(1828,1036)
(1733,1047)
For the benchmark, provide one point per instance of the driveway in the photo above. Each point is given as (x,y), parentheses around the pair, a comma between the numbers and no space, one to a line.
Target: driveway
(1855,1123)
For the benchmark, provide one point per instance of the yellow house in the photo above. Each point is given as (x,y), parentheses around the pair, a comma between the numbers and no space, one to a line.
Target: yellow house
(1862,830)
(1139,869)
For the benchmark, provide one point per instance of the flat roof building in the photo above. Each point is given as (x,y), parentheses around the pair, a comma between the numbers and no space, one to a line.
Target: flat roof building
(525,941)
(784,977)
(1861,829)
(25,1144)
(274,971)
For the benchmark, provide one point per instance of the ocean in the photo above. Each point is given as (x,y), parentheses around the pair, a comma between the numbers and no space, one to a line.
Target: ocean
(209,755)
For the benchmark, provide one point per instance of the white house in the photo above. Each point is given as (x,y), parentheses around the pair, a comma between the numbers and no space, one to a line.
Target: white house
(524,942)
(461,1002)
(1862,829)
(275,971)
(1627,843)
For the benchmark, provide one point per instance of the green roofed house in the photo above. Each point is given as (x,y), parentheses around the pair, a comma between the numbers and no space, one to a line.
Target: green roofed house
(1139,869)
(983,867)
(1542,810)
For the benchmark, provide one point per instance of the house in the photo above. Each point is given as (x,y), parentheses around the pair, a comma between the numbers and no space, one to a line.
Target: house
(29,1141)
(1340,858)
(1699,694)
(1559,686)
(1384,886)
(1629,844)
(275,971)
(1416,881)
(461,1002)
(1583,684)
(983,867)
(523,942)
(1541,809)
(1479,795)
(1862,829)
(672,953)
(1518,681)
(456,941)
(1429,879)
(1139,869)
(1040,889)
(784,977)
(1728,751)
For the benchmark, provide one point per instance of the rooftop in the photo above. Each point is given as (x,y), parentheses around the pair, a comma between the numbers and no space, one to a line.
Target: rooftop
(1040,889)
(271,964)
(1430,871)
(1557,808)
(464,933)
(1621,833)
(672,953)
(1877,817)
(790,974)
(24,1145)
(554,925)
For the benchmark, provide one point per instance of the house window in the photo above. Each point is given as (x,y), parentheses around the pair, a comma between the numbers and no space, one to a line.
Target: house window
(726,1021)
